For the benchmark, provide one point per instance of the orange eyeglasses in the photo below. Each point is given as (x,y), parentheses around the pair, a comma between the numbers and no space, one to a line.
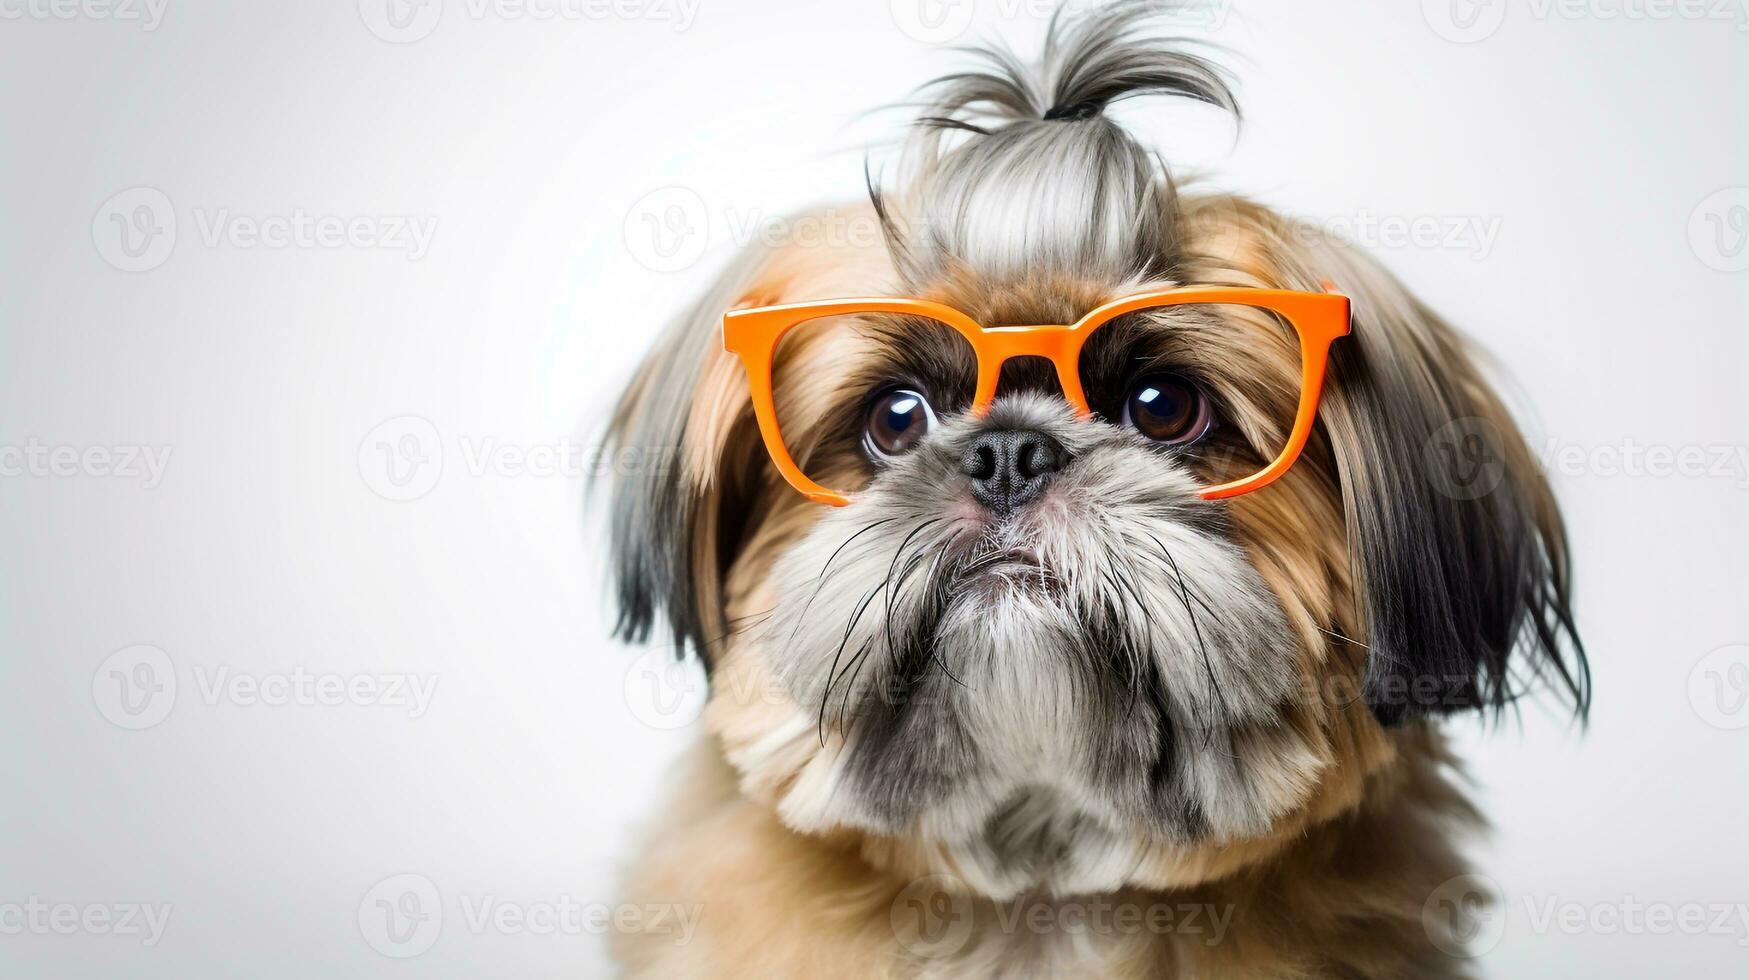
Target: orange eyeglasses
(1318,319)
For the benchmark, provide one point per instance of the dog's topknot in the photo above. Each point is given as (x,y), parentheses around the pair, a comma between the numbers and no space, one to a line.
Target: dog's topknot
(1015,171)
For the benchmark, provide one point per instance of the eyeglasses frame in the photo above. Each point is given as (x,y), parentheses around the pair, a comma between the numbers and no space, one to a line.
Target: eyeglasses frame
(1318,318)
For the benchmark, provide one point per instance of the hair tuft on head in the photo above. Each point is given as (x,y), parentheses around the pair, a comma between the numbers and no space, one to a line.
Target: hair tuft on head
(1015,171)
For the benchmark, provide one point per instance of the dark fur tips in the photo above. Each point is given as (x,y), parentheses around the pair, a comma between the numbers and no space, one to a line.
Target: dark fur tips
(1453,530)
(673,527)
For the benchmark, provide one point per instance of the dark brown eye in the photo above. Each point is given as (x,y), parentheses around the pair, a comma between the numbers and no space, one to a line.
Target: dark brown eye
(1167,409)
(897,420)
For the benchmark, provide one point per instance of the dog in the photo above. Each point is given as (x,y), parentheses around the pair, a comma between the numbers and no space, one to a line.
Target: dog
(1069,676)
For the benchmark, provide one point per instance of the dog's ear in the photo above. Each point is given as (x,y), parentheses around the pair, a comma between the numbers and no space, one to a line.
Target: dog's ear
(680,449)
(690,473)
(1458,548)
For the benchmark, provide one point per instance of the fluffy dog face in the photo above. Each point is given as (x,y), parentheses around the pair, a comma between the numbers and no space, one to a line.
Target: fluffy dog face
(1030,652)
(1106,640)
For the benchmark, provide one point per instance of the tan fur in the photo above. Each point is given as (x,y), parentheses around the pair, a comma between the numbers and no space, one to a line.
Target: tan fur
(1364,817)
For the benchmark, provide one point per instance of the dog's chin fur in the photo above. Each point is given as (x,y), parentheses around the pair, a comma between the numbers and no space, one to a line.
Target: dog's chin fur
(1120,689)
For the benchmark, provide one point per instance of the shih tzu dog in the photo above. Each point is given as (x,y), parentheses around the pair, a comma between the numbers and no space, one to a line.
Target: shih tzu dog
(1081,574)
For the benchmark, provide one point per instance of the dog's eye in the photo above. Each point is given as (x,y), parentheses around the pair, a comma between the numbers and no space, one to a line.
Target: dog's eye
(1167,409)
(898,419)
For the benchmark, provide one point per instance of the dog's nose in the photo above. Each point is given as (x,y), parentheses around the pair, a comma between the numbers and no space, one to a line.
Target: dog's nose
(1009,468)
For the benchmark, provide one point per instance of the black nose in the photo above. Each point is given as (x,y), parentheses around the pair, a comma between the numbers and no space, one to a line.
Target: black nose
(1010,468)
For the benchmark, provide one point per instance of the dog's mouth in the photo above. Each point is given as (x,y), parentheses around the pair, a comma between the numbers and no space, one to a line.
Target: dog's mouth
(991,571)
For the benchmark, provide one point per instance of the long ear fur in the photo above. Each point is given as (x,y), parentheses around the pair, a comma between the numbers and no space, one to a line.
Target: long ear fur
(679,492)
(1460,551)
(692,476)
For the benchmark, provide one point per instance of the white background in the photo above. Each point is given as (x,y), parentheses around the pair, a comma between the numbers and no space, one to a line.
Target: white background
(1594,146)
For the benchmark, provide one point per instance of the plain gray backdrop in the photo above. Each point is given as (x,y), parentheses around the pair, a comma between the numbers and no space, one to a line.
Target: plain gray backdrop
(307,310)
